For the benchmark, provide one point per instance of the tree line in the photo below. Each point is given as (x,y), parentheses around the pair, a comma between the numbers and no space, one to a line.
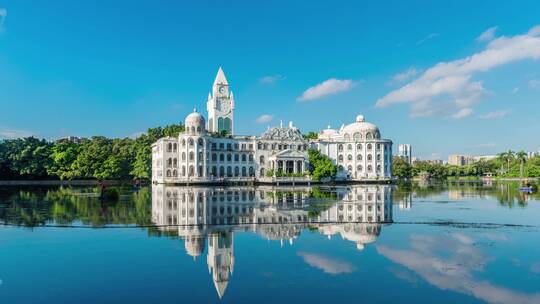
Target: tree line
(98,157)
(508,164)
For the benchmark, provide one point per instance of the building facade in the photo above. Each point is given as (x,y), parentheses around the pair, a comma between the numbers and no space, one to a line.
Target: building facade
(210,151)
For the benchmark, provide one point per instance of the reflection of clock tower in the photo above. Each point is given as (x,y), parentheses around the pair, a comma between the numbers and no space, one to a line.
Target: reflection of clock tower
(220,106)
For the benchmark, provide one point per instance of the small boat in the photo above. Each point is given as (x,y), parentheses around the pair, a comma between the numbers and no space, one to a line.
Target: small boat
(526,189)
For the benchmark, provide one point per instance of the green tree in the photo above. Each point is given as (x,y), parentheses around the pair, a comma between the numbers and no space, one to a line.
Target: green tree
(521,156)
(401,168)
(311,135)
(63,155)
(321,166)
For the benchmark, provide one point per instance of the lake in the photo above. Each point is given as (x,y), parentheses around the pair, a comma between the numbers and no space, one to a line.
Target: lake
(417,243)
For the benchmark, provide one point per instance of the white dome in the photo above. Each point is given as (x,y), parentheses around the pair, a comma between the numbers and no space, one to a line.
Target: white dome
(360,130)
(328,133)
(195,122)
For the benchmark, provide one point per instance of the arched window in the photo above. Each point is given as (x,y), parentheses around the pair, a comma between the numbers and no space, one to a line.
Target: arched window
(347,137)
(340,147)
(229,172)
(340,158)
(250,157)
(359,168)
(200,142)
(198,129)
(261,160)
(221,171)
(236,158)
(169,162)
(349,168)
(200,171)
(175,162)
(192,129)
(251,171)
(168,173)
(190,142)
(357,136)
(378,146)
(175,147)
(243,157)
(221,157)
(191,156)
(236,171)
(359,147)
(227,125)
(369,135)
(183,170)
(261,173)
(175,173)
(369,168)
(169,147)
(183,155)
(369,147)
(191,171)
(349,147)
(349,157)
(369,157)
(183,142)
(229,157)
(359,157)
(244,171)
(214,157)
(378,157)
(378,168)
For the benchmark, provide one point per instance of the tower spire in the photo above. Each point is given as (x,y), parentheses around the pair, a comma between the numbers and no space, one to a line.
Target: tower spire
(220,77)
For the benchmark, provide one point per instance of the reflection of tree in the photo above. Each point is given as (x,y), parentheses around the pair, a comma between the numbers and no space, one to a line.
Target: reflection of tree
(65,206)
(506,193)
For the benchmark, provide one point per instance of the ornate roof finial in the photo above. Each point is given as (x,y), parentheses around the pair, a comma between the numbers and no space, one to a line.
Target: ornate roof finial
(281,123)
(194,110)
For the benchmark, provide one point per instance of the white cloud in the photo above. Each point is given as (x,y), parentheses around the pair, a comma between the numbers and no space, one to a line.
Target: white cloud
(271,79)
(452,264)
(428,37)
(11,133)
(488,34)
(406,75)
(534,83)
(328,87)
(3,14)
(448,87)
(326,264)
(494,115)
(265,118)
(465,112)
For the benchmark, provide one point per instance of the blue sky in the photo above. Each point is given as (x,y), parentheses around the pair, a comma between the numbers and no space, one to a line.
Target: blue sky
(461,77)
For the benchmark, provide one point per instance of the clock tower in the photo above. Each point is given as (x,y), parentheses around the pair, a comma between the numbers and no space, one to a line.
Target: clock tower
(220,106)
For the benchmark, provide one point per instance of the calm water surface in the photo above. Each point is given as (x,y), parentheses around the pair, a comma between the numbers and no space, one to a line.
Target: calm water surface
(446,243)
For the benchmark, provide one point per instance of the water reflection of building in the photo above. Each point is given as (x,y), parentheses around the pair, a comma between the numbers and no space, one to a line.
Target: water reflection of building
(210,216)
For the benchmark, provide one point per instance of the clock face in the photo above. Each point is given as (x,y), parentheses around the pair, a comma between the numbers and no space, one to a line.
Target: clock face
(221,90)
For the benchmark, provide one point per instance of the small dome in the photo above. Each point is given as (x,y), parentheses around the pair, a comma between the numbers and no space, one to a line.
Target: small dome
(195,122)
(360,130)
(194,245)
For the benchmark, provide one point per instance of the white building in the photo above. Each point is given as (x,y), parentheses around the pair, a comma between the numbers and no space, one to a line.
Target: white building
(405,152)
(211,152)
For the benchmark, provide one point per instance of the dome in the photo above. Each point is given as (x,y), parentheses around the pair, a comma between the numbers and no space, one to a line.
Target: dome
(283,133)
(195,122)
(360,130)
(328,133)
(194,245)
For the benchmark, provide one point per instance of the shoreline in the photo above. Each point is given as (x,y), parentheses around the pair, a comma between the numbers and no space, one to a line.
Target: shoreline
(63,182)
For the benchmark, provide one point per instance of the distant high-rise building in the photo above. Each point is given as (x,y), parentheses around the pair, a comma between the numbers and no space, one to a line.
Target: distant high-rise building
(405,152)
(460,160)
